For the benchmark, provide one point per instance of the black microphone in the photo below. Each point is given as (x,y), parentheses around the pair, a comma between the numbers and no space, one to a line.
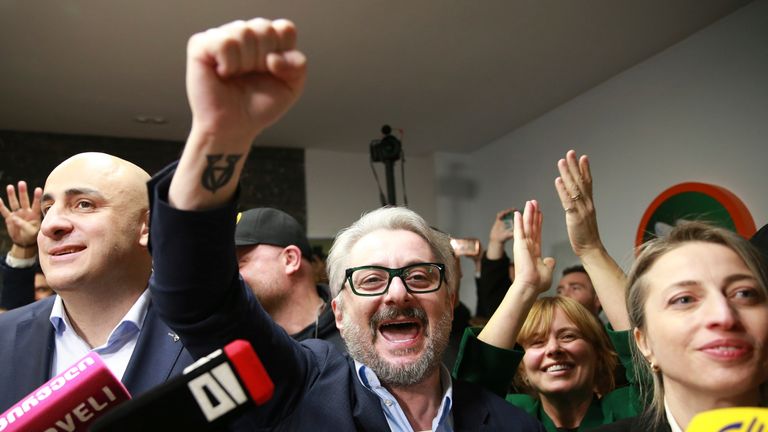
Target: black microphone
(211,392)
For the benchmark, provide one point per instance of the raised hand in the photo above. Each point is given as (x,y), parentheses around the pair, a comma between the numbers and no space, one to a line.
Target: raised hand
(531,270)
(501,231)
(533,275)
(574,187)
(241,78)
(22,217)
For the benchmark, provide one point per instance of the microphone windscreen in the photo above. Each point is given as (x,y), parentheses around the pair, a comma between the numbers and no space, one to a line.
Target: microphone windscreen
(211,392)
(70,401)
(746,419)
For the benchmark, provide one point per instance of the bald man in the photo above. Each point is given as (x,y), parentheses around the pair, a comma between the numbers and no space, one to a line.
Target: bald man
(93,250)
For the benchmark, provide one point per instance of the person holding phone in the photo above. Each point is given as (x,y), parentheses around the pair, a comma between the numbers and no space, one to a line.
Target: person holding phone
(496,269)
(462,316)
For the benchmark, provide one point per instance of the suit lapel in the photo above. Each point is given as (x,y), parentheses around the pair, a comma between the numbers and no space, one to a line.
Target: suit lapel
(366,406)
(469,409)
(33,357)
(157,352)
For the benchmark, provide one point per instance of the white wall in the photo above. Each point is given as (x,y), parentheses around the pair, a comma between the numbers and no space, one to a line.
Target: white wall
(341,186)
(695,112)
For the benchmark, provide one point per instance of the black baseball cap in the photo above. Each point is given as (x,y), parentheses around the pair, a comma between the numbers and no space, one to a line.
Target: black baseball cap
(265,225)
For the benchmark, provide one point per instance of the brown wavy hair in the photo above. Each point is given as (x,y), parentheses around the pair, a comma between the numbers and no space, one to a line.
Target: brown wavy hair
(539,322)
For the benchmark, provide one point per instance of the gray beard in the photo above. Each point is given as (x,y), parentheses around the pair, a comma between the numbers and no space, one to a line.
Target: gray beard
(360,345)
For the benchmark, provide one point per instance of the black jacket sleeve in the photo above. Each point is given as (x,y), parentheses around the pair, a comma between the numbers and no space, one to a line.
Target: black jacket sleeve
(492,285)
(18,288)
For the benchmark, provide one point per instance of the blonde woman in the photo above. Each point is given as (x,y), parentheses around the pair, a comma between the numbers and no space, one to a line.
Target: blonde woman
(697,305)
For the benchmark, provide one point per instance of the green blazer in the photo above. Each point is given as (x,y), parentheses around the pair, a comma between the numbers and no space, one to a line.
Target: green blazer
(494,368)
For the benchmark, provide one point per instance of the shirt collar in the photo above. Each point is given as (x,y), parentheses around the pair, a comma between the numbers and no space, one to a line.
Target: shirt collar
(130,323)
(673,426)
(442,422)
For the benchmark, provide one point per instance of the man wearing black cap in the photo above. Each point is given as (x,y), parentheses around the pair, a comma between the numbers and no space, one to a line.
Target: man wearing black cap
(275,260)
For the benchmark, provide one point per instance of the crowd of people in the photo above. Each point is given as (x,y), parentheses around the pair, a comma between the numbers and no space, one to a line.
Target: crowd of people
(152,281)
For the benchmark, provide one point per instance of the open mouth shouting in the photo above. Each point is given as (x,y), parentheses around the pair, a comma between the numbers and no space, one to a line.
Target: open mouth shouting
(401,329)
(400,332)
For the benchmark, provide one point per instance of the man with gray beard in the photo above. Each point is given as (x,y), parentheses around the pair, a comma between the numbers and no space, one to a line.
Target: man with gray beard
(358,341)
(392,265)
(391,275)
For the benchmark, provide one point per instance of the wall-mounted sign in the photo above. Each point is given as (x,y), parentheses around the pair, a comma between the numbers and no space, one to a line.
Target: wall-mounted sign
(694,201)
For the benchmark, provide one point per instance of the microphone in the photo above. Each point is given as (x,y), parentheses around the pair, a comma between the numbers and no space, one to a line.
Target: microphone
(211,392)
(70,401)
(746,419)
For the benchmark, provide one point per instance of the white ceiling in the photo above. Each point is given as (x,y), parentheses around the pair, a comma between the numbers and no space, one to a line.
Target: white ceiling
(452,74)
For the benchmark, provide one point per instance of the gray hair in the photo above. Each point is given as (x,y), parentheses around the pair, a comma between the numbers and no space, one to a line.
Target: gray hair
(388,218)
(652,390)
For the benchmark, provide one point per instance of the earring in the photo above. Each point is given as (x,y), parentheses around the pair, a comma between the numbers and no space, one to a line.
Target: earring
(655,368)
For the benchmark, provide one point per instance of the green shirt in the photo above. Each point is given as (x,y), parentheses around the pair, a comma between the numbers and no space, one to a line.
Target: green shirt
(494,368)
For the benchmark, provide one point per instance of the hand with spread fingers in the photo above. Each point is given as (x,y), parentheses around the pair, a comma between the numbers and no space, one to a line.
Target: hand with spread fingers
(574,187)
(22,219)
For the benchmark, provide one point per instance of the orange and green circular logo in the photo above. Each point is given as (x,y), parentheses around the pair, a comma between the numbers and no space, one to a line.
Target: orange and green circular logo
(694,201)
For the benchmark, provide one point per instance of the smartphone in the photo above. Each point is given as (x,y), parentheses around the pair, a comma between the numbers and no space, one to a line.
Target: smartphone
(466,246)
(509,220)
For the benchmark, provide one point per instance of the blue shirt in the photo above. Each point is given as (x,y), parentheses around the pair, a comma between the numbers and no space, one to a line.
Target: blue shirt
(116,353)
(394,414)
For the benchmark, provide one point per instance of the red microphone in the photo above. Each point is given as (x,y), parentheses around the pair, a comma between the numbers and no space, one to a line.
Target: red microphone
(70,401)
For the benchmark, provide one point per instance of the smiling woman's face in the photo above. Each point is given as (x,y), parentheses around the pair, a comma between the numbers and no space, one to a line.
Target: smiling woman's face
(561,360)
(706,323)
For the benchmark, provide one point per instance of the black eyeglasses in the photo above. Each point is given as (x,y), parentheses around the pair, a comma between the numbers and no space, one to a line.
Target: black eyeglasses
(373,280)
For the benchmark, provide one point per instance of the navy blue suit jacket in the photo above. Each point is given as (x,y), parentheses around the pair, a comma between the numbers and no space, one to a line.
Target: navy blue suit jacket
(199,293)
(27,344)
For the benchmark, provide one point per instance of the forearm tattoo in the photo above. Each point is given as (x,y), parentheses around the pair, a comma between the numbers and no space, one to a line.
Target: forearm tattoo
(217,175)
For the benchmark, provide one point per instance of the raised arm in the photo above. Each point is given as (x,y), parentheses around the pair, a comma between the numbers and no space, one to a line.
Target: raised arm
(241,78)
(22,221)
(533,276)
(574,187)
(501,232)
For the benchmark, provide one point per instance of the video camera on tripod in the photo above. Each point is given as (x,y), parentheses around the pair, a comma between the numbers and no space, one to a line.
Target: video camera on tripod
(388,150)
